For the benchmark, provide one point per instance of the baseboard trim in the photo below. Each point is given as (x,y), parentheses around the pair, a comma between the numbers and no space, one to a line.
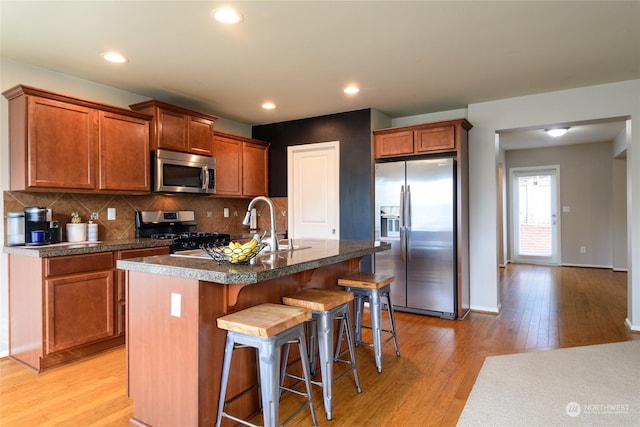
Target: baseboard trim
(609,267)
(632,328)
(485,310)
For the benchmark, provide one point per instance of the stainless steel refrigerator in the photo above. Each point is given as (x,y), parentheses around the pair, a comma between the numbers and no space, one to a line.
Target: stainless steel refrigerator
(415,204)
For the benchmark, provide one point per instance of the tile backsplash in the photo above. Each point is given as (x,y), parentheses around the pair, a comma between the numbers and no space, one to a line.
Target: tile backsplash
(209,210)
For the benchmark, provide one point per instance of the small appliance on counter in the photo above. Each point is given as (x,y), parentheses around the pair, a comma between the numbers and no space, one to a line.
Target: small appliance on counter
(15,228)
(36,227)
(55,230)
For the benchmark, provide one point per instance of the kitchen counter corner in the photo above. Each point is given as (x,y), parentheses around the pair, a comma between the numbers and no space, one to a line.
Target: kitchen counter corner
(79,248)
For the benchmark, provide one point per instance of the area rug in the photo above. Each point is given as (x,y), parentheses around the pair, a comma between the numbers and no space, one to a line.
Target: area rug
(596,385)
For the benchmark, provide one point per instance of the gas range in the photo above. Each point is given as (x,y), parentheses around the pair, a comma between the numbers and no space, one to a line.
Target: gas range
(177,226)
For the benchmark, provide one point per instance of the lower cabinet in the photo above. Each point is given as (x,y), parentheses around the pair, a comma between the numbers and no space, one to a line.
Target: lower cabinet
(79,310)
(64,308)
(121,281)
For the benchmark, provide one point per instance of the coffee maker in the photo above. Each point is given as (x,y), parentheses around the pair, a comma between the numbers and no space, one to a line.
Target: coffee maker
(36,226)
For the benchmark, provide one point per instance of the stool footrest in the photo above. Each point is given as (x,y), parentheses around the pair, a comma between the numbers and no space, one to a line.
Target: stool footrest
(240,420)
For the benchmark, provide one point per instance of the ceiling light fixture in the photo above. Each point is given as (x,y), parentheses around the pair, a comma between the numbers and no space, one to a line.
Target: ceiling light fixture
(226,15)
(268,105)
(557,131)
(351,89)
(114,57)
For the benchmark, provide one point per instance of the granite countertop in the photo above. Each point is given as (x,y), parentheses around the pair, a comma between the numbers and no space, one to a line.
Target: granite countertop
(311,254)
(79,248)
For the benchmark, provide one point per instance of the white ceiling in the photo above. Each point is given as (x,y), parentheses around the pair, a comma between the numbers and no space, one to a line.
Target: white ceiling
(579,133)
(409,58)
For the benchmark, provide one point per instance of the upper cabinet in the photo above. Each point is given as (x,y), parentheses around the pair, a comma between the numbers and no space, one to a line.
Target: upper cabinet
(241,166)
(60,142)
(440,137)
(123,150)
(178,129)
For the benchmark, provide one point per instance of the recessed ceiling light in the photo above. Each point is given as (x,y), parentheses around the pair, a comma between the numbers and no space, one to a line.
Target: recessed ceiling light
(226,15)
(351,89)
(114,57)
(268,105)
(556,131)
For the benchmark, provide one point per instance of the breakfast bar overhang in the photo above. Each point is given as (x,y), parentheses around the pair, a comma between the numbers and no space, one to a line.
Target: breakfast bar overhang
(174,348)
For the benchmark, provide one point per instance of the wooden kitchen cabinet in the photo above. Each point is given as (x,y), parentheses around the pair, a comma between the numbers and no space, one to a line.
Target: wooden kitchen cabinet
(124,153)
(431,138)
(178,129)
(61,308)
(58,142)
(241,166)
(121,281)
(393,144)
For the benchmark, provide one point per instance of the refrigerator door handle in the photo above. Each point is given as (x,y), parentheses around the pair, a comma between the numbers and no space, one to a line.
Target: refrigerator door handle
(407,221)
(402,223)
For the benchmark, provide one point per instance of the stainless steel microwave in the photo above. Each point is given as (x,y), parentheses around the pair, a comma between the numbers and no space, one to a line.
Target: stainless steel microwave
(176,172)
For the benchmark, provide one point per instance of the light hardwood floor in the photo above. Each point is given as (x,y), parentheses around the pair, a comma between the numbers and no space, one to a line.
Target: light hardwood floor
(542,308)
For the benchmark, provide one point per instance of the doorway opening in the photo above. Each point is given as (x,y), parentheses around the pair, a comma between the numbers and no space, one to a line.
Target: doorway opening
(534,217)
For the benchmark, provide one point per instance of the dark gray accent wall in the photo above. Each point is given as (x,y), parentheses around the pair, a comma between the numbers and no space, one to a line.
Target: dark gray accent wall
(353,130)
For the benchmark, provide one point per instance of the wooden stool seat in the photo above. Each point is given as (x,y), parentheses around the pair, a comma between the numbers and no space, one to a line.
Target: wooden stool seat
(371,288)
(318,299)
(264,320)
(366,280)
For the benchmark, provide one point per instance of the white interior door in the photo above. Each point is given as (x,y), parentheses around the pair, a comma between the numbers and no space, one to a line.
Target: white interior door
(534,219)
(313,188)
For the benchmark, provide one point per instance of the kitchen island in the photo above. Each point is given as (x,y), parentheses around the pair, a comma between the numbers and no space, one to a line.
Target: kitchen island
(174,348)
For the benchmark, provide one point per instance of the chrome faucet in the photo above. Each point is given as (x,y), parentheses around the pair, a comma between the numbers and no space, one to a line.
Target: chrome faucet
(273,239)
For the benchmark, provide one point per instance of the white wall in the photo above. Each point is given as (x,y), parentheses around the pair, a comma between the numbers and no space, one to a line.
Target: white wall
(13,73)
(620,99)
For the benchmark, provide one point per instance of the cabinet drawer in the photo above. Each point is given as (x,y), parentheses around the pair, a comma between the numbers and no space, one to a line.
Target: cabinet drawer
(59,266)
(139,253)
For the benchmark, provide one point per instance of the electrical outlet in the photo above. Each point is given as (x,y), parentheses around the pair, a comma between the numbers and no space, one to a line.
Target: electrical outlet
(111,214)
(225,212)
(209,213)
(176,305)
(583,249)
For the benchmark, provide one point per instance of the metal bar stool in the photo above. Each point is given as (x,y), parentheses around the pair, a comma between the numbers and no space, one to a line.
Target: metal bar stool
(265,327)
(369,287)
(326,307)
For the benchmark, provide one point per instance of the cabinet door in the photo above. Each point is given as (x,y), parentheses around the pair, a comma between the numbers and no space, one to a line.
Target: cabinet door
(393,144)
(200,136)
(124,153)
(79,310)
(435,139)
(228,155)
(172,130)
(254,170)
(61,146)
(121,282)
